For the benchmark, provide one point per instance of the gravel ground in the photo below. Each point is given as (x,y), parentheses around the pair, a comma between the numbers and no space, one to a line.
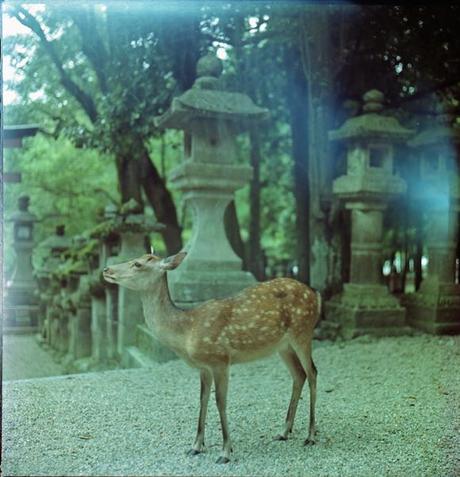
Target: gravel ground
(387,407)
(24,358)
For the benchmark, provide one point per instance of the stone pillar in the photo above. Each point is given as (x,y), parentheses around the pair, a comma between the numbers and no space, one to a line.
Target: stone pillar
(78,304)
(21,300)
(208,178)
(435,308)
(52,249)
(82,323)
(98,311)
(365,305)
(130,312)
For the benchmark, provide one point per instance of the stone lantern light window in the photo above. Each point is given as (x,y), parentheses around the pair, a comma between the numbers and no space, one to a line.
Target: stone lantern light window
(23,232)
(380,157)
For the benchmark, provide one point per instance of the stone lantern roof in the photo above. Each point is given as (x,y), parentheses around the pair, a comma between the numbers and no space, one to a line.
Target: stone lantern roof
(372,124)
(23,215)
(127,219)
(57,242)
(206,100)
(445,131)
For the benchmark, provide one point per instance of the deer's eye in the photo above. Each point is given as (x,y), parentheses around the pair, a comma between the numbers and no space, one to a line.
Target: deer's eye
(137,264)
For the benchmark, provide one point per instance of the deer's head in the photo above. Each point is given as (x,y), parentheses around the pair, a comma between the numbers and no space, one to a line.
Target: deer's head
(143,272)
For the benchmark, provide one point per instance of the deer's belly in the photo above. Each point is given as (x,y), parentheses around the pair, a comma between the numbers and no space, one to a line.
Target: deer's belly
(245,353)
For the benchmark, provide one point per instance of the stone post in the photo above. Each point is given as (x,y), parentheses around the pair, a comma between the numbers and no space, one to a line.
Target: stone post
(98,310)
(208,178)
(435,308)
(110,248)
(21,301)
(52,247)
(365,305)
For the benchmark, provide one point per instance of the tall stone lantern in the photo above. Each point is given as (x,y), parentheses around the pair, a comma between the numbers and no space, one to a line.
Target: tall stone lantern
(21,300)
(208,178)
(365,305)
(435,308)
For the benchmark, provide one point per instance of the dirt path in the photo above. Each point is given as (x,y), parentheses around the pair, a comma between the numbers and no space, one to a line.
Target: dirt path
(24,358)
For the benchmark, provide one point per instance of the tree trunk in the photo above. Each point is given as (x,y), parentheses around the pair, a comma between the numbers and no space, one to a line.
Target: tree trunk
(297,103)
(129,179)
(232,230)
(161,201)
(255,257)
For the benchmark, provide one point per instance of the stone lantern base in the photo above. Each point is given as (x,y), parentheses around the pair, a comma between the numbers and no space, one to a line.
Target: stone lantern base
(367,309)
(211,268)
(21,308)
(192,288)
(435,308)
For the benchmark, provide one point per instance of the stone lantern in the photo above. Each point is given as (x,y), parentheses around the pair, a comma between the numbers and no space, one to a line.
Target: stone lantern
(54,247)
(365,305)
(208,178)
(435,308)
(21,297)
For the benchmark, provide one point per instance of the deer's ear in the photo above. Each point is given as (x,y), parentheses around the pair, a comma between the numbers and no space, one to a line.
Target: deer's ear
(172,262)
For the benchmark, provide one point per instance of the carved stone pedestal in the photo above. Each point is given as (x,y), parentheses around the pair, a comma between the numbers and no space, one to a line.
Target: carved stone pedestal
(367,309)
(211,268)
(435,308)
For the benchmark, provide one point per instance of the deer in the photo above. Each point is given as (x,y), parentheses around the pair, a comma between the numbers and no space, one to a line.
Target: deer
(278,315)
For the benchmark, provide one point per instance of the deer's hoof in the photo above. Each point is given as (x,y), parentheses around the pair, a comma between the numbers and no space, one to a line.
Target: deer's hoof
(309,442)
(222,460)
(194,452)
(280,437)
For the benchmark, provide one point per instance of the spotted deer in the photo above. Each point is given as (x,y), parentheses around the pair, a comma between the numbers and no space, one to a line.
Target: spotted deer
(273,316)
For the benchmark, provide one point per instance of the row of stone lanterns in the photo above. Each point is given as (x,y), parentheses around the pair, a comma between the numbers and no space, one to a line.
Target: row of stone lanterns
(365,305)
(88,323)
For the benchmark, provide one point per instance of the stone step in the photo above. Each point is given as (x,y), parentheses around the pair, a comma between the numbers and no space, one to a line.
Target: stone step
(20,330)
(150,347)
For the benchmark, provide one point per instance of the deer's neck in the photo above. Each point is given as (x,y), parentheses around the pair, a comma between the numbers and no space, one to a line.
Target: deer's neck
(167,322)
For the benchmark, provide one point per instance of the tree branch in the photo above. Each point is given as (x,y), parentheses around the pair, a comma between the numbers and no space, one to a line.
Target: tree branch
(422,93)
(83,98)
(92,44)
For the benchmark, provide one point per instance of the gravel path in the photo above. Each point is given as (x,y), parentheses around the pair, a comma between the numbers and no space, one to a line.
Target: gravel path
(24,358)
(387,407)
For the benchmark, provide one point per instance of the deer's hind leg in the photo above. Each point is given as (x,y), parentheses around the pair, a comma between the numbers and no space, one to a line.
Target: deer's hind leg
(298,379)
(206,382)
(303,351)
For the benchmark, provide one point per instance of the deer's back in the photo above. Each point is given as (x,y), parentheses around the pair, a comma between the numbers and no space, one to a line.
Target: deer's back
(256,322)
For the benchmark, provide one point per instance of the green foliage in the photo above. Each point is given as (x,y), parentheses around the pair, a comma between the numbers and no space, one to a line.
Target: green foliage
(65,185)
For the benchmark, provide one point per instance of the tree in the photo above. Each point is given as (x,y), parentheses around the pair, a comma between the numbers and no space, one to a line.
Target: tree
(117,69)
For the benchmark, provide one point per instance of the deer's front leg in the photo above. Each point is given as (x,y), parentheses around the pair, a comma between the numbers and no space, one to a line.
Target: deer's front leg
(206,381)
(221,381)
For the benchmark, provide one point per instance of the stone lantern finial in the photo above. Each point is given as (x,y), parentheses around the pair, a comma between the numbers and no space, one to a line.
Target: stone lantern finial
(373,101)
(208,70)
(23,202)
(209,65)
